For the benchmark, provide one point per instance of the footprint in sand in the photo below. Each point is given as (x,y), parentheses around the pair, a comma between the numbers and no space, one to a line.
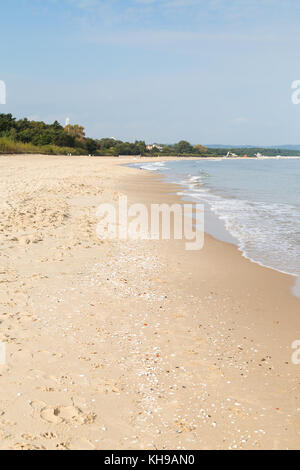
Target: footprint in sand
(49,435)
(66,414)
(59,414)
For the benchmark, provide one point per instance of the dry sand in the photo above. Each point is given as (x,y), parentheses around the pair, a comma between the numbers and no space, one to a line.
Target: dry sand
(133,345)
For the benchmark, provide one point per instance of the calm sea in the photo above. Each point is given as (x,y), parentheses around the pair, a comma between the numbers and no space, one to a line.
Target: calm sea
(253,203)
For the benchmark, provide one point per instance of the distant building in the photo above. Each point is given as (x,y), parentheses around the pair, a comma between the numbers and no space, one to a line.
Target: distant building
(154,146)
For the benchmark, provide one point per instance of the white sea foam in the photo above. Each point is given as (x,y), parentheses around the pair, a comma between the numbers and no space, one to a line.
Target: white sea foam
(263,231)
(153,166)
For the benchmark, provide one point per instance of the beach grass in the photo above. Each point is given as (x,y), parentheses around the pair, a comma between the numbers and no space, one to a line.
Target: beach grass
(8,146)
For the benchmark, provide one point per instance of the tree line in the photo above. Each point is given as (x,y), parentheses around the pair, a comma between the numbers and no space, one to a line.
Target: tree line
(25,136)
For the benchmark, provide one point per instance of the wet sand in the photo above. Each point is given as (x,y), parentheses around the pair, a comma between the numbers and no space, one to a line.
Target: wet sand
(133,344)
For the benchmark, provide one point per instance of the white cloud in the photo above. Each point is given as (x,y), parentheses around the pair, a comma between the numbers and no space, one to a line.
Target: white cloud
(158,38)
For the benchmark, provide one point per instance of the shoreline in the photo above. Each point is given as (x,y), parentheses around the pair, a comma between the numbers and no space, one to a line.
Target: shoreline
(135,344)
(170,193)
(215,232)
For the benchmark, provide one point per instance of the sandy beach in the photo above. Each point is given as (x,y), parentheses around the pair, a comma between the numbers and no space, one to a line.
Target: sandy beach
(133,344)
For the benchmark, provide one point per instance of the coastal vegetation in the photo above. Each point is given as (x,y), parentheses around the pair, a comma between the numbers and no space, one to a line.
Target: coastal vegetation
(26,136)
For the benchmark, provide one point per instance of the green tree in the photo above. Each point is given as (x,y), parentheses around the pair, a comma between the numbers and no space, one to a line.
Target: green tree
(183,147)
(75,131)
(200,149)
(7,122)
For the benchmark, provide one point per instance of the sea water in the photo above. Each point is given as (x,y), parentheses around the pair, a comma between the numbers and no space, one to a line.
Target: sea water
(254,203)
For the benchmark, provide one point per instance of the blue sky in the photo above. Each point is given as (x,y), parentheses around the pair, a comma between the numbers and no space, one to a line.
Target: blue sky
(209,71)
